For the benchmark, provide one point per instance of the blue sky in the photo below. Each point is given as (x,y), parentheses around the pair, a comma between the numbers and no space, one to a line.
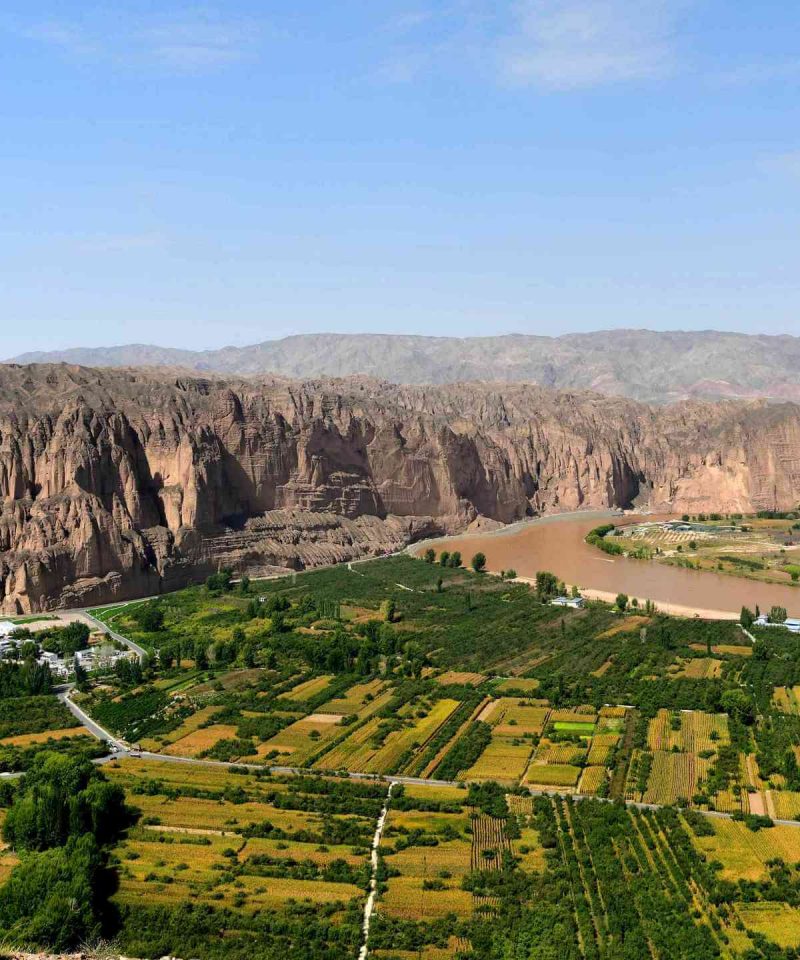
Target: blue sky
(196,175)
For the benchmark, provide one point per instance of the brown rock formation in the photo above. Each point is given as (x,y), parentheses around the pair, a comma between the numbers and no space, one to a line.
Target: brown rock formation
(118,483)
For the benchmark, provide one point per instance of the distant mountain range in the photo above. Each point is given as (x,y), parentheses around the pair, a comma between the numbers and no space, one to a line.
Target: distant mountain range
(642,364)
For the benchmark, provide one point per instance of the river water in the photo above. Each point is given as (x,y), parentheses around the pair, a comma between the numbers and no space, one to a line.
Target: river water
(557,544)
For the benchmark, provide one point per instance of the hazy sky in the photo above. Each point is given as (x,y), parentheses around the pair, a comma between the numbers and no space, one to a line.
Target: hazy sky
(200,174)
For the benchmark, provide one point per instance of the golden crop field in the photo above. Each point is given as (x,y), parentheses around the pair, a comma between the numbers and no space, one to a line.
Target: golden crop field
(585,714)
(460,677)
(526,685)
(785,804)
(368,759)
(26,739)
(674,776)
(435,793)
(285,850)
(565,752)
(699,668)
(697,728)
(697,732)
(302,738)
(660,735)
(450,855)
(216,815)
(515,719)
(601,746)
(502,760)
(613,712)
(744,853)
(725,649)
(189,725)
(357,698)
(787,700)
(307,689)
(131,770)
(406,899)
(592,779)
(258,892)
(197,742)
(778,922)
(552,775)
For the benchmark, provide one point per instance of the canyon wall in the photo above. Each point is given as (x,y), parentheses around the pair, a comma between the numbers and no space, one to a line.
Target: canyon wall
(123,483)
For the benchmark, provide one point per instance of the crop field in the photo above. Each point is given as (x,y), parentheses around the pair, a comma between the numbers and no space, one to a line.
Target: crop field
(357,698)
(592,780)
(601,748)
(698,668)
(778,922)
(460,678)
(307,689)
(297,742)
(517,685)
(783,804)
(503,760)
(693,731)
(514,719)
(787,700)
(674,777)
(366,750)
(255,845)
(200,741)
(743,853)
(28,739)
(190,725)
(427,855)
(560,752)
(552,775)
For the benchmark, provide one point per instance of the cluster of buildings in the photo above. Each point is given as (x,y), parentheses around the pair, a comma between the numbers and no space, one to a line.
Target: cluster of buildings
(97,657)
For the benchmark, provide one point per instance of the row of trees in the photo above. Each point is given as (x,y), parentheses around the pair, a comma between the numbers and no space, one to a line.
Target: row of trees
(453,560)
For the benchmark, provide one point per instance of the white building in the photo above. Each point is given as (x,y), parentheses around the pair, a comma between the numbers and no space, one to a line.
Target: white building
(573,602)
(789,623)
(7,628)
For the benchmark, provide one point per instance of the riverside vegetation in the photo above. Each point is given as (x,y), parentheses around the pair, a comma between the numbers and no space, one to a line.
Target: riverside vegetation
(497,711)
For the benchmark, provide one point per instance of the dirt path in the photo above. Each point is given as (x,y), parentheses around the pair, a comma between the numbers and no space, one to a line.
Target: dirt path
(369,906)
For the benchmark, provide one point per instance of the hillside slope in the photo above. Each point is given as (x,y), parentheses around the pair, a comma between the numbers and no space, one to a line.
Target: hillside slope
(117,483)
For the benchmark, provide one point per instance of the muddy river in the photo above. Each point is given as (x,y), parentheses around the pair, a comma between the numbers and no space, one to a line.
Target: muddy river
(557,544)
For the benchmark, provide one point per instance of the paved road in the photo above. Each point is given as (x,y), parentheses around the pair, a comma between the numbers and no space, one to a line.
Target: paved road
(64,693)
(140,652)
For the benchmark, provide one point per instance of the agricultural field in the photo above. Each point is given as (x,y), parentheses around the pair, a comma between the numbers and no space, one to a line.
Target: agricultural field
(757,548)
(402,668)
(294,851)
(30,724)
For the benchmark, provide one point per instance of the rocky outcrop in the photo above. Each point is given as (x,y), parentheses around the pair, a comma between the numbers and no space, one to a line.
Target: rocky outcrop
(122,483)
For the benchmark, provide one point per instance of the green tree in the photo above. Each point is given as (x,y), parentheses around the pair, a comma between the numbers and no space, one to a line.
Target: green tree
(622,601)
(546,584)
(388,610)
(444,558)
(455,559)
(746,618)
(777,615)
(429,555)
(739,705)
(478,563)
(150,617)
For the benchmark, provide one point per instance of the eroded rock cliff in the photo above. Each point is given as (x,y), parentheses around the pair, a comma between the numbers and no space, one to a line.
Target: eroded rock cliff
(118,483)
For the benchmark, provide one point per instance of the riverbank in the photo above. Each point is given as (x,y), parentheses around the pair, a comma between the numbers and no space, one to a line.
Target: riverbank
(557,543)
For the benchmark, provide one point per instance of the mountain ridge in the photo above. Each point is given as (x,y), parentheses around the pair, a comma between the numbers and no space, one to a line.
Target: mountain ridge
(651,366)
